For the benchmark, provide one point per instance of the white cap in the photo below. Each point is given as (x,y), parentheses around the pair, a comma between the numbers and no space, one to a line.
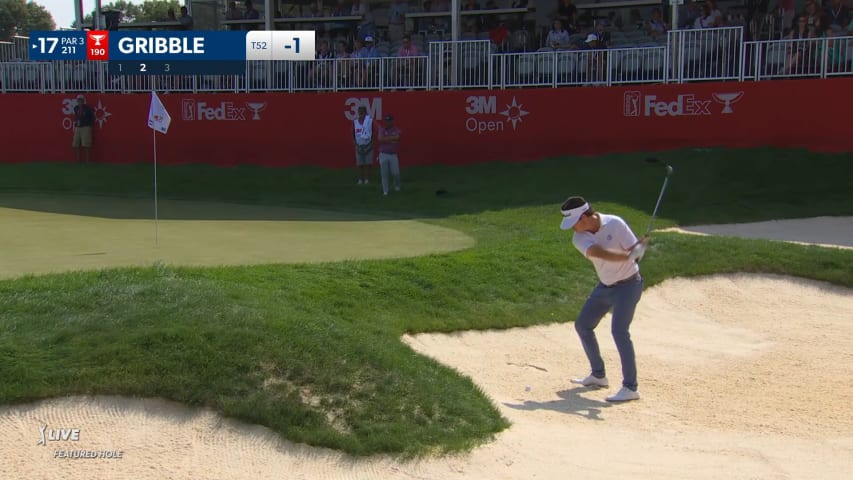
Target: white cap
(591,38)
(571,217)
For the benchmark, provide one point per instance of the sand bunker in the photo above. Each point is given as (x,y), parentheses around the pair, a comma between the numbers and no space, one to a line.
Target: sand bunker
(742,376)
(824,231)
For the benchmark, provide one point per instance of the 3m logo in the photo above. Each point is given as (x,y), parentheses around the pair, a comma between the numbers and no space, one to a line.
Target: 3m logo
(373,106)
(478,105)
(485,115)
(631,104)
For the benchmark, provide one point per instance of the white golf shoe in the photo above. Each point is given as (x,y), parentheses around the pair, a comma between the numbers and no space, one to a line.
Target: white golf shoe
(623,395)
(592,381)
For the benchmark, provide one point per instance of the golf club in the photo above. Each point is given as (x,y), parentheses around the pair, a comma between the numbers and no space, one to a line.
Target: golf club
(669,171)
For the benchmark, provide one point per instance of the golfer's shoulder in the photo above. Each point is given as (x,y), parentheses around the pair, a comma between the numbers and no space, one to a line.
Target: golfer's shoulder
(609,218)
(612,222)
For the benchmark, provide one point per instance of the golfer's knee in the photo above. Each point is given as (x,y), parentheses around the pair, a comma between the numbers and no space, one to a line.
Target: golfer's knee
(583,329)
(621,334)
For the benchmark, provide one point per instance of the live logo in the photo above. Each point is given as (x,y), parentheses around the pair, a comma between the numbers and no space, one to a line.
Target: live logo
(97,45)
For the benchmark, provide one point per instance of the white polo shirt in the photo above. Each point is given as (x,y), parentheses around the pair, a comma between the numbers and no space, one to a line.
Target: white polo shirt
(614,234)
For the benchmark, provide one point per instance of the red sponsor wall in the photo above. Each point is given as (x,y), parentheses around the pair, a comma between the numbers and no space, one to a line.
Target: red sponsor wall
(451,127)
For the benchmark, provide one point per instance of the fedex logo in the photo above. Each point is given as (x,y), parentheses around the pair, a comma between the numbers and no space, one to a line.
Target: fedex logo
(635,104)
(683,105)
(192,110)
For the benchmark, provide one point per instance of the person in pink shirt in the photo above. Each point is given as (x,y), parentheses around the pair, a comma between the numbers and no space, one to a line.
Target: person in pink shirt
(389,163)
(407,65)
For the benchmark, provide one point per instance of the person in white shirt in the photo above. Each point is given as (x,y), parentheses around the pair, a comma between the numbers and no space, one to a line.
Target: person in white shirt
(608,242)
(362,137)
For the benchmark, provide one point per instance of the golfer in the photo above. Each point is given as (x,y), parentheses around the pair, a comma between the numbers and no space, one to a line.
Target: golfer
(389,163)
(608,242)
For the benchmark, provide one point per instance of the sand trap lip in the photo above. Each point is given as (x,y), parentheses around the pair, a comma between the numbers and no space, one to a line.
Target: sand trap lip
(703,409)
(836,232)
(49,242)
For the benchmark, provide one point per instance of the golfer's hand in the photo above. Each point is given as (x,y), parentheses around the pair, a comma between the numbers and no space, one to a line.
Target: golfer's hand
(638,250)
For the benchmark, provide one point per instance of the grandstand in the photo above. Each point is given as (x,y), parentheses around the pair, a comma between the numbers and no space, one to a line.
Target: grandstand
(497,44)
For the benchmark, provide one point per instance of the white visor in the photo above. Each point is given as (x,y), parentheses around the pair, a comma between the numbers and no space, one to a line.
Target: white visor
(571,217)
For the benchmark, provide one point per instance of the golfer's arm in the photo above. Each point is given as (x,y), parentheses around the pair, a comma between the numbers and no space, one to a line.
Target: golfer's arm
(610,255)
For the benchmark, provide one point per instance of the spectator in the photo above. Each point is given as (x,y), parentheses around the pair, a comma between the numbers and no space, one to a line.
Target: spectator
(499,36)
(787,10)
(407,65)
(362,139)
(84,118)
(716,14)
(688,15)
(250,14)
(836,49)
(320,72)
(595,58)
(813,19)
(341,50)
(656,26)
(363,68)
(344,65)
(366,27)
(704,20)
(397,19)
(801,49)
(170,15)
(389,163)
(186,20)
(567,13)
(233,13)
(603,35)
(558,37)
(837,15)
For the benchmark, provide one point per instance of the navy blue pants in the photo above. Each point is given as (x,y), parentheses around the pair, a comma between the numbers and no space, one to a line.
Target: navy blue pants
(623,299)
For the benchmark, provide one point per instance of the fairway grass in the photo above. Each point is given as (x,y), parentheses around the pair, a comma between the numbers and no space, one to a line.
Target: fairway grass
(313,351)
(112,232)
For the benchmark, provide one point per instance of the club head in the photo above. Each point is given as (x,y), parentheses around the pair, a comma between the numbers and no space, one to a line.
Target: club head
(668,167)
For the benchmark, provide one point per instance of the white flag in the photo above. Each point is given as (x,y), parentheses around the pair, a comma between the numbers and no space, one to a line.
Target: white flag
(158,117)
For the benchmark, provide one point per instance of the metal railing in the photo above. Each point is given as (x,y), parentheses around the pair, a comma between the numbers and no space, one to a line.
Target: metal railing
(688,55)
(811,57)
(706,54)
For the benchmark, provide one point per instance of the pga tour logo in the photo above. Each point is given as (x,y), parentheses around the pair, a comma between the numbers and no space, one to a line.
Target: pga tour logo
(193,110)
(57,435)
(635,104)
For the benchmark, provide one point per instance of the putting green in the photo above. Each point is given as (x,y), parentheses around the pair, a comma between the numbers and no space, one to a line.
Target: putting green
(59,233)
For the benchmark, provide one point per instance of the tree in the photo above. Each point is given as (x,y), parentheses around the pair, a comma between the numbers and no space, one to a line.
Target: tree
(149,11)
(18,17)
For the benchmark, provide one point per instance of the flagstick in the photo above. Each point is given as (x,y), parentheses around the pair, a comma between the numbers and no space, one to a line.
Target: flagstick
(156,237)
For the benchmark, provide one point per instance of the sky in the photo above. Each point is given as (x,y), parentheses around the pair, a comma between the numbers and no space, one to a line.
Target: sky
(63,10)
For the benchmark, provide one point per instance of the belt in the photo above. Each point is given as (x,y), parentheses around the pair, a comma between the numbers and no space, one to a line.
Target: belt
(632,278)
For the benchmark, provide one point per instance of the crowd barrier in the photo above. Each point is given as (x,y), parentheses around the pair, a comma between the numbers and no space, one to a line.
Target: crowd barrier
(446,127)
(684,56)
